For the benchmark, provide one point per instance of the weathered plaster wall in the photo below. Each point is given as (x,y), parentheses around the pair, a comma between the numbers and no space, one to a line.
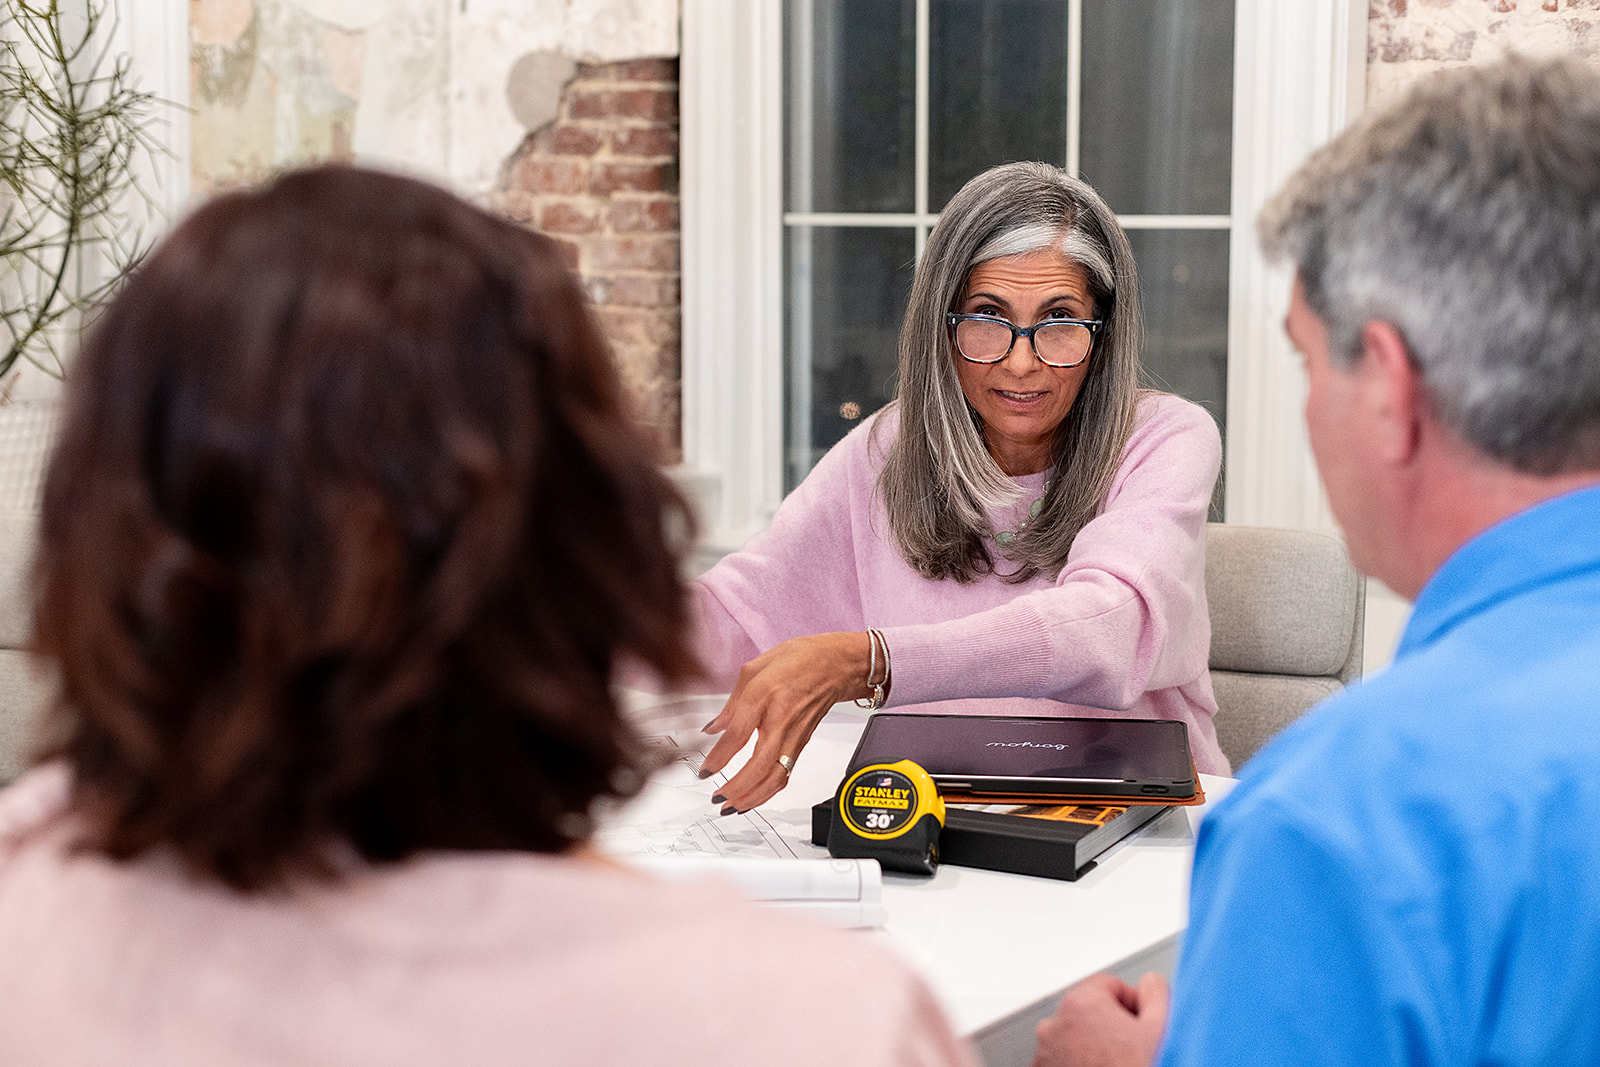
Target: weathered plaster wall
(1408,38)
(421,85)
(561,114)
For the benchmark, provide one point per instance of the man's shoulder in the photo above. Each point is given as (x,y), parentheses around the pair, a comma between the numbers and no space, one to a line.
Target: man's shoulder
(1426,749)
(1326,755)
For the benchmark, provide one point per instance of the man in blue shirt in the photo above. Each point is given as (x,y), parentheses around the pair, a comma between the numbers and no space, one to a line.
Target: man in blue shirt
(1411,873)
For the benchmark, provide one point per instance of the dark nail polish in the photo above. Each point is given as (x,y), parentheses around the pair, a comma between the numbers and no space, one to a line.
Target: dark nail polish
(702,773)
(729,810)
(719,799)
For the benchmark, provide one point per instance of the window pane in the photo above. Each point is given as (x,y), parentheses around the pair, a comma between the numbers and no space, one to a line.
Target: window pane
(1157,115)
(1183,283)
(850,105)
(997,88)
(847,295)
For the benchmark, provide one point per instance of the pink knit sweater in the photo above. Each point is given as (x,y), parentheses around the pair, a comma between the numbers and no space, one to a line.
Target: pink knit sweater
(1123,630)
(450,958)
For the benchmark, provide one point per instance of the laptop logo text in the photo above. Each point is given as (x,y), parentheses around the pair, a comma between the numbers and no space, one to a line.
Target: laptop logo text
(1023,744)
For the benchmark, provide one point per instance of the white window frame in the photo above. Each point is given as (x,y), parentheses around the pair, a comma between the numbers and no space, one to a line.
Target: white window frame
(154,34)
(1299,76)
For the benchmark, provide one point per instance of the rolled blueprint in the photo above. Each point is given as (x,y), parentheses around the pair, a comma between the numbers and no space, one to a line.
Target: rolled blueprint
(847,893)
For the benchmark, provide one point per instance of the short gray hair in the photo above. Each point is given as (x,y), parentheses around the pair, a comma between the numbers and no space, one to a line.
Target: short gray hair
(1467,216)
(939,479)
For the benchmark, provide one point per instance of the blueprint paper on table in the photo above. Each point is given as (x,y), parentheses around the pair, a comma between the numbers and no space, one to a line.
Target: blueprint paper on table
(672,829)
(674,816)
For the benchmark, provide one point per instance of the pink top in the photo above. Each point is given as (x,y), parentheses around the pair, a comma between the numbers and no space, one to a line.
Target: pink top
(451,959)
(1123,630)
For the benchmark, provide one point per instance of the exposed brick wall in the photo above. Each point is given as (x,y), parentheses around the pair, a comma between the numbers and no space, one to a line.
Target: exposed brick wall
(1409,38)
(602,179)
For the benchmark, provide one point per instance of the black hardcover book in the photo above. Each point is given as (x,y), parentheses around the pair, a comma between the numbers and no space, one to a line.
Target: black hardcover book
(1048,840)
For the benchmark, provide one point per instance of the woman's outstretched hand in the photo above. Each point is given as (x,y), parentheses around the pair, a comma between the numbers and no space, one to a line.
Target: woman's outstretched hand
(780,696)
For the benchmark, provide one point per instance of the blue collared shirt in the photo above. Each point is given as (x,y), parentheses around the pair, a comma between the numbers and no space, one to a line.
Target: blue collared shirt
(1411,873)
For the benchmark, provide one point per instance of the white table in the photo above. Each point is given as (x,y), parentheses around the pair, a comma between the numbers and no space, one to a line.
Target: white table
(996,948)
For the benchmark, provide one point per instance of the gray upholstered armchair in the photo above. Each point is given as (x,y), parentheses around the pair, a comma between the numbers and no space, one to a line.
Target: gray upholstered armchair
(1287,619)
(22,688)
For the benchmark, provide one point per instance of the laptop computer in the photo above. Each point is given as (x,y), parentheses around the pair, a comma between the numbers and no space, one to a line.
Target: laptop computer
(1038,757)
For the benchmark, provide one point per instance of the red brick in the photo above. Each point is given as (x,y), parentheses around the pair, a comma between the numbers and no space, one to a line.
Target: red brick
(580,88)
(639,329)
(669,356)
(648,70)
(642,367)
(651,379)
(654,391)
(659,70)
(626,177)
(634,254)
(569,216)
(597,72)
(625,103)
(514,205)
(645,141)
(567,139)
(643,215)
(616,327)
(568,251)
(645,385)
(636,290)
(546,174)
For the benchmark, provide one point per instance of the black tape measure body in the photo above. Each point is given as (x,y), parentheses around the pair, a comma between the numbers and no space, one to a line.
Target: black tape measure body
(890,812)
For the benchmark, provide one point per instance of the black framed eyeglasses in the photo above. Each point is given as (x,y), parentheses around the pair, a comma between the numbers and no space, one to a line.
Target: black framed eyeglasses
(989,338)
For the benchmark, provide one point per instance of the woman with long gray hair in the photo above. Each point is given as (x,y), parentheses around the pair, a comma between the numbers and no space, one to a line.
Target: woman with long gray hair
(1020,532)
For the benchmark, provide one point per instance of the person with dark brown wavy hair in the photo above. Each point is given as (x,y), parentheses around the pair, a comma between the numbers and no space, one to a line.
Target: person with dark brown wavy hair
(346,531)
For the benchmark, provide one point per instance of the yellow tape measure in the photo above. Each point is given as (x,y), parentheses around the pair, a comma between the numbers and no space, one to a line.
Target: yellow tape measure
(891,812)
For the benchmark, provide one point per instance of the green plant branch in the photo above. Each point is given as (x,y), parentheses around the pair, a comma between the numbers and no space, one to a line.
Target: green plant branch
(74,130)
